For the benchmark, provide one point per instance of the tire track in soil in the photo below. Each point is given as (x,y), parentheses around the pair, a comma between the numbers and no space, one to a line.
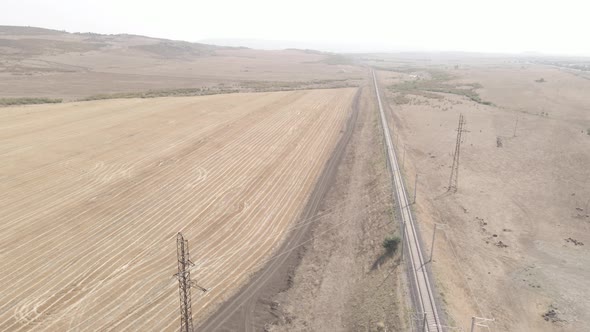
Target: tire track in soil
(249,309)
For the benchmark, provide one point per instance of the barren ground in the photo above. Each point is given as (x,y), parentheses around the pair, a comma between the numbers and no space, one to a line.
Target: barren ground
(93,194)
(344,282)
(48,63)
(512,245)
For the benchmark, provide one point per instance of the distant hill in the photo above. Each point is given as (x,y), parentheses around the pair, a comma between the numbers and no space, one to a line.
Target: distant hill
(19,30)
(45,63)
(27,41)
(262,44)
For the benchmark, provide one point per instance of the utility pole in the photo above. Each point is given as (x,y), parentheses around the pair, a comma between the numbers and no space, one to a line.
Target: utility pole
(432,246)
(415,186)
(403,238)
(515,124)
(185,283)
(436,225)
(404,158)
(454,178)
(424,323)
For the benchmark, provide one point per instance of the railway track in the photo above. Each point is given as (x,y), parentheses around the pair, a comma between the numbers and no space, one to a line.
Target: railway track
(421,286)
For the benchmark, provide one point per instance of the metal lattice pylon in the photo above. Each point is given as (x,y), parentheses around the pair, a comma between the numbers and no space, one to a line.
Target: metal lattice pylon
(454,178)
(184,284)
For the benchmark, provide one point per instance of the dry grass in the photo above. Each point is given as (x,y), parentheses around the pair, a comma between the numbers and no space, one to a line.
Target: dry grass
(27,101)
(160,93)
(505,247)
(246,86)
(436,82)
(75,66)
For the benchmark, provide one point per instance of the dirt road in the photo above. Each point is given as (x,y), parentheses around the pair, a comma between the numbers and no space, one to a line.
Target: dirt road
(344,281)
(249,310)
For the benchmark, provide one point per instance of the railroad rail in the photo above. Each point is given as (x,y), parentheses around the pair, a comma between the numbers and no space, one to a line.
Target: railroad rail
(419,278)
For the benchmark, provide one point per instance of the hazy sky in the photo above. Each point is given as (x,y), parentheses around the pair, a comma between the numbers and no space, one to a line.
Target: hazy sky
(559,27)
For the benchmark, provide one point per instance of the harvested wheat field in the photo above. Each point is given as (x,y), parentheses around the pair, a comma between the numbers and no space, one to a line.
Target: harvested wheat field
(94,193)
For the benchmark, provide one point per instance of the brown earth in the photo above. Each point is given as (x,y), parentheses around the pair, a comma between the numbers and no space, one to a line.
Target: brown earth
(251,307)
(344,281)
(507,251)
(94,193)
(55,64)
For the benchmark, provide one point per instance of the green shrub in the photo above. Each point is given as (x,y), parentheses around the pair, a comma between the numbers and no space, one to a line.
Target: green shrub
(430,88)
(390,244)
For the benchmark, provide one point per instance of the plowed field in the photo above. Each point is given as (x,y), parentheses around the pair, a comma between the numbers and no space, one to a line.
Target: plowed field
(93,194)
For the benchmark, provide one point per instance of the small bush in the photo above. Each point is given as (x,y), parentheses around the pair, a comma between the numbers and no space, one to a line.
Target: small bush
(401,99)
(390,244)
(588,131)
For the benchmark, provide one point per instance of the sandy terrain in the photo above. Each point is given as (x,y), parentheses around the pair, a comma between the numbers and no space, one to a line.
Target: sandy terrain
(335,276)
(344,283)
(515,244)
(47,63)
(93,194)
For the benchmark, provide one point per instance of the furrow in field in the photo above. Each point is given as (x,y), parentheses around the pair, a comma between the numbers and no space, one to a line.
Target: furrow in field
(108,264)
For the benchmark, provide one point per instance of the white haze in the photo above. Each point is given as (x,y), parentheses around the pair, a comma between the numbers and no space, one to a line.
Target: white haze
(500,26)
